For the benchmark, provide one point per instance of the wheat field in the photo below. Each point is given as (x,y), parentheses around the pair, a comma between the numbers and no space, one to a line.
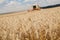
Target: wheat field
(41,24)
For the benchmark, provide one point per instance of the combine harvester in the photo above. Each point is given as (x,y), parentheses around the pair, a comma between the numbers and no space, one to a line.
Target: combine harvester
(35,6)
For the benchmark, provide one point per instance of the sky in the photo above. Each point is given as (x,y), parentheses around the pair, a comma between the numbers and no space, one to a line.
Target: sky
(20,5)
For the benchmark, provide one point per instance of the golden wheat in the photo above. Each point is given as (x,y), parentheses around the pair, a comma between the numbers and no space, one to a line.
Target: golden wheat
(43,24)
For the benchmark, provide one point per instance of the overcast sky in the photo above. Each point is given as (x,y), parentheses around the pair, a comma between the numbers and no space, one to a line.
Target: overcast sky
(19,5)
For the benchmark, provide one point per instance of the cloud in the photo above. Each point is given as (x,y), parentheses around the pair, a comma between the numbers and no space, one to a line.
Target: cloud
(1,1)
(29,0)
(12,3)
(53,1)
(13,6)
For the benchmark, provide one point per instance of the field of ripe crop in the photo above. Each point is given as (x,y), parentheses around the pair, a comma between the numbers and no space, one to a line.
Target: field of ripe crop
(41,24)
